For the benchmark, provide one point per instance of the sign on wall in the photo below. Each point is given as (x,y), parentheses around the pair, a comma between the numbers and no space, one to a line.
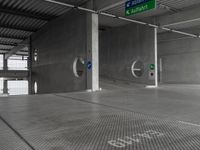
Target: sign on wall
(89,65)
(137,6)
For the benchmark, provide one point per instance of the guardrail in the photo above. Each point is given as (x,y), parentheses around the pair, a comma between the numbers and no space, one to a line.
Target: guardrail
(14,74)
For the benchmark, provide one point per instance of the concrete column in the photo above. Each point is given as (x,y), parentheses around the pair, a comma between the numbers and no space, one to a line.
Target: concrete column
(5,81)
(5,63)
(5,87)
(155,60)
(156,56)
(30,58)
(93,52)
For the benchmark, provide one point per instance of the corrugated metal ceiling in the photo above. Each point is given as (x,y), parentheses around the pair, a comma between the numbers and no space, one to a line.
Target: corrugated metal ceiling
(20,18)
(163,7)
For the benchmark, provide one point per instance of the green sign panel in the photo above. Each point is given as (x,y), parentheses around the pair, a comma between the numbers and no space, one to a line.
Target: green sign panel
(138,6)
(152,66)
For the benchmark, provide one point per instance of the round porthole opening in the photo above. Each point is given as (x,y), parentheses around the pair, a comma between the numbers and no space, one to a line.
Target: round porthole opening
(35,55)
(35,87)
(78,67)
(137,69)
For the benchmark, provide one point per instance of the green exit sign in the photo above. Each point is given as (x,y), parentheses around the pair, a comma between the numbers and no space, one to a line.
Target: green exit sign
(152,66)
(137,6)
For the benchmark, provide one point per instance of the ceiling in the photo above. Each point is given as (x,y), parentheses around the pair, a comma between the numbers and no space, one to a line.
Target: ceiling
(21,18)
(164,7)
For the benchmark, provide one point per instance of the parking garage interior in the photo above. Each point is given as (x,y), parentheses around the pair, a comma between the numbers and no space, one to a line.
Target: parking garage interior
(99,75)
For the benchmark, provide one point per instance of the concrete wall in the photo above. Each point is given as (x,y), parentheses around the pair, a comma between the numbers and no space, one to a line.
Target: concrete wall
(58,44)
(120,47)
(180,59)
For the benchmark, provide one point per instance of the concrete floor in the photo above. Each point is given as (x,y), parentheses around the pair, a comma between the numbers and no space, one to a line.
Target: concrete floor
(118,117)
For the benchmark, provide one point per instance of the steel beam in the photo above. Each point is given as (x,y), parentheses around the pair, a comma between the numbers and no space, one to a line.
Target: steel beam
(18,28)
(7,44)
(11,37)
(183,17)
(182,22)
(122,18)
(26,14)
(13,73)
(7,50)
(17,48)
(112,6)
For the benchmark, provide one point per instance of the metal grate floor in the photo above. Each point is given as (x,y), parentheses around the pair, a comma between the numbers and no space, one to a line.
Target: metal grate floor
(57,122)
(125,131)
(9,140)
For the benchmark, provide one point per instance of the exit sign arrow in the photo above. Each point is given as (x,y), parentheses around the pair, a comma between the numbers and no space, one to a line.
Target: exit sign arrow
(137,6)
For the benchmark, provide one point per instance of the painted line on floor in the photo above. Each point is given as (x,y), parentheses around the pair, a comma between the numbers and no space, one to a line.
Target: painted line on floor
(188,123)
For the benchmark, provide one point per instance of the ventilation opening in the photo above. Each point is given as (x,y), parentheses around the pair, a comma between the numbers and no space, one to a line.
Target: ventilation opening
(137,69)
(35,55)
(78,67)
(35,87)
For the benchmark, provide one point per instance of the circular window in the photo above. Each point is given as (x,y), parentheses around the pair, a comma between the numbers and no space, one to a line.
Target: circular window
(78,67)
(35,87)
(35,55)
(137,69)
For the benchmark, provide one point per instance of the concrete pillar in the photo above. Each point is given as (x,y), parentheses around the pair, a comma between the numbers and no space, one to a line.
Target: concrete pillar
(155,60)
(5,81)
(30,58)
(92,51)
(5,87)
(156,56)
(5,63)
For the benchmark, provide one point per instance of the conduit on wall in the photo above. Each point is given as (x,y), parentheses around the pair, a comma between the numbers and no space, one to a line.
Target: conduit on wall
(123,18)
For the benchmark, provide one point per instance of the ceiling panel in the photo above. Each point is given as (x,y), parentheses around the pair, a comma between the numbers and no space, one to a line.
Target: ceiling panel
(164,7)
(20,18)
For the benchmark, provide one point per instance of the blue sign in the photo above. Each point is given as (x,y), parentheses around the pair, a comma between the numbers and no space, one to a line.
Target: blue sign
(133,3)
(89,65)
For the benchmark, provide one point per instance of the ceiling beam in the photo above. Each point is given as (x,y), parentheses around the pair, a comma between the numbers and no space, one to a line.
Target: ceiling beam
(18,28)
(169,8)
(122,2)
(7,50)
(103,5)
(180,18)
(112,5)
(17,48)
(12,37)
(7,43)
(155,26)
(26,14)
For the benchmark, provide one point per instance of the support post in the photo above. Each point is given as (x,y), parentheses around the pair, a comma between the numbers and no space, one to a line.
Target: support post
(5,63)
(156,55)
(5,81)
(30,66)
(92,51)
(5,87)
(155,60)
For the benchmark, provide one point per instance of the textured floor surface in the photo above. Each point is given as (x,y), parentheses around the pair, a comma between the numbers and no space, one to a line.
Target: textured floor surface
(118,117)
